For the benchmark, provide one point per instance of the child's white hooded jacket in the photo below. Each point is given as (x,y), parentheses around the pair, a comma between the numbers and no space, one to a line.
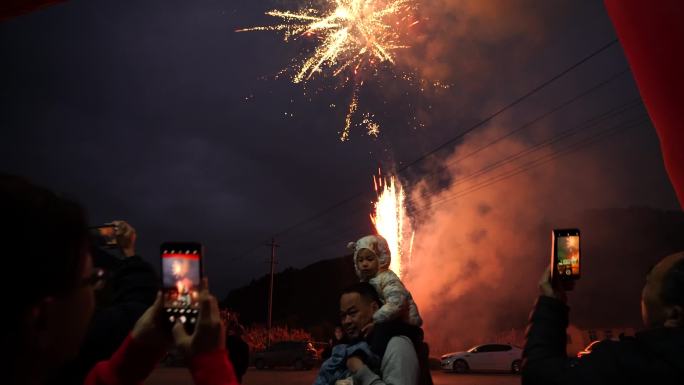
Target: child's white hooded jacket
(397,300)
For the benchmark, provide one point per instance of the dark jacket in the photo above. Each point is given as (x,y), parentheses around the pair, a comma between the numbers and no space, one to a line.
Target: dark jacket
(651,357)
(327,352)
(238,351)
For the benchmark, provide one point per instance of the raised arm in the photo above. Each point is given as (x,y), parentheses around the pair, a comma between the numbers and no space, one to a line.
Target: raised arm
(544,359)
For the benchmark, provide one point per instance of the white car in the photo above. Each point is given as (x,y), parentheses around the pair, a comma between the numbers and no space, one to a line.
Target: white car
(488,357)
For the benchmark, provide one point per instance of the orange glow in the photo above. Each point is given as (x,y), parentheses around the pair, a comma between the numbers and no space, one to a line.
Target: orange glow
(179,269)
(184,285)
(390,220)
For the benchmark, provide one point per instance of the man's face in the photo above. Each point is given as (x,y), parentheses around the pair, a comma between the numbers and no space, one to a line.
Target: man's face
(355,313)
(654,312)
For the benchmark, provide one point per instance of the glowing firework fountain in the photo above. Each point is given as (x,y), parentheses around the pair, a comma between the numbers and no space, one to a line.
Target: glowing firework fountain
(354,37)
(390,221)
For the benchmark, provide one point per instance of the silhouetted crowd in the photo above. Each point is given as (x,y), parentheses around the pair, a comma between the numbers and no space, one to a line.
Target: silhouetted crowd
(80,315)
(83,315)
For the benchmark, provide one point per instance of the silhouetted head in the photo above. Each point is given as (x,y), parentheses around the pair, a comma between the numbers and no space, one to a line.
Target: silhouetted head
(47,271)
(662,299)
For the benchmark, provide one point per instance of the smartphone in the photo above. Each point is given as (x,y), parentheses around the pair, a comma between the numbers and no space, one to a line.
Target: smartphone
(181,266)
(565,257)
(106,236)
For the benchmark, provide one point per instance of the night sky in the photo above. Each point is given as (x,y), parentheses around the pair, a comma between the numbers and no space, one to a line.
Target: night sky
(158,113)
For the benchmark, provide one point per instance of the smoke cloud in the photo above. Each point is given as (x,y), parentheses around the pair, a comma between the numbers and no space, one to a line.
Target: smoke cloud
(479,251)
(455,37)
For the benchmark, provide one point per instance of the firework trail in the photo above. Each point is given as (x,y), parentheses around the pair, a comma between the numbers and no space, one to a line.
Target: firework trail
(390,219)
(354,38)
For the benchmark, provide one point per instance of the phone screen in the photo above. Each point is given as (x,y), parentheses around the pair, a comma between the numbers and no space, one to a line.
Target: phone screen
(568,255)
(181,275)
(107,235)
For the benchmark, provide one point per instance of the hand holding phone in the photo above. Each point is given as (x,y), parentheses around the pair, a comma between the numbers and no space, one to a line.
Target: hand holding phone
(149,330)
(125,237)
(549,288)
(106,236)
(181,278)
(565,257)
(210,333)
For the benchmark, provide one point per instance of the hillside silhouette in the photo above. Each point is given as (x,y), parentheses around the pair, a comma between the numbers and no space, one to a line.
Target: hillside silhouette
(302,298)
(619,246)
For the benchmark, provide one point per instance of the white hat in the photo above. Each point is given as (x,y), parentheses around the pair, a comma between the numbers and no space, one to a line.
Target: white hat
(375,243)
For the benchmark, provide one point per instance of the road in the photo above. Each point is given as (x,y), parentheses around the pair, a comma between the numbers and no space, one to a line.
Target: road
(180,376)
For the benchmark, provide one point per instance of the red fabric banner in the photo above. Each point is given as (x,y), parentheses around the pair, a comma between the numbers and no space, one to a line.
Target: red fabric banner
(652,36)
(13,8)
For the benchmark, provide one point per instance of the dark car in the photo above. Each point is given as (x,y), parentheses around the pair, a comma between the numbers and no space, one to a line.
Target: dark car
(297,354)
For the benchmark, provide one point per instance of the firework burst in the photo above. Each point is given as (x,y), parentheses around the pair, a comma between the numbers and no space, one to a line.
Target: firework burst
(354,37)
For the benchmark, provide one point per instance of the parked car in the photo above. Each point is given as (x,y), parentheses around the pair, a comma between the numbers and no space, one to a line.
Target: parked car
(297,354)
(488,357)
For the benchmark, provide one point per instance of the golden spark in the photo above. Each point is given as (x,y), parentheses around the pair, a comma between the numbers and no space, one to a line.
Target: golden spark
(354,36)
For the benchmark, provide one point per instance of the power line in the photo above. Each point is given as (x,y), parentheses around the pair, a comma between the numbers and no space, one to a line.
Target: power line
(536,163)
(530,123)
(341,237)
(545,159)
(560,136)
(509,106)
(462,134)
(564,135)
(543,116)
(589,123)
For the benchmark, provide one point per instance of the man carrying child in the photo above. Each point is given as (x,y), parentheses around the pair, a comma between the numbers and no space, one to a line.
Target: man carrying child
(396,315)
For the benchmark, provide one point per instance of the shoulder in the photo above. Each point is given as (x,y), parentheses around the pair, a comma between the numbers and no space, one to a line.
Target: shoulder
(390,275)
(400,347)
(613,346)
(400,362)
(605,352)
(388,278)
(620,360)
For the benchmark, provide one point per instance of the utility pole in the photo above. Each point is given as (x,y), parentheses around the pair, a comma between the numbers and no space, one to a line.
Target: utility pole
(270,291)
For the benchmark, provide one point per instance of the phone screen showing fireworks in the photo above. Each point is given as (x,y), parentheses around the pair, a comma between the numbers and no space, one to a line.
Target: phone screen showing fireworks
(107,235)
(181,275)
(567,253)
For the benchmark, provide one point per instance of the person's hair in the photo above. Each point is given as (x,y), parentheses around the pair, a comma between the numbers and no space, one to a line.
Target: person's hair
(365,290)
(43,238)
(672,291)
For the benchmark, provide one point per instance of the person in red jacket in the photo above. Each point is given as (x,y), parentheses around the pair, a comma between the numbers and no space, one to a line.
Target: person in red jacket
(146,345)
(49,282)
